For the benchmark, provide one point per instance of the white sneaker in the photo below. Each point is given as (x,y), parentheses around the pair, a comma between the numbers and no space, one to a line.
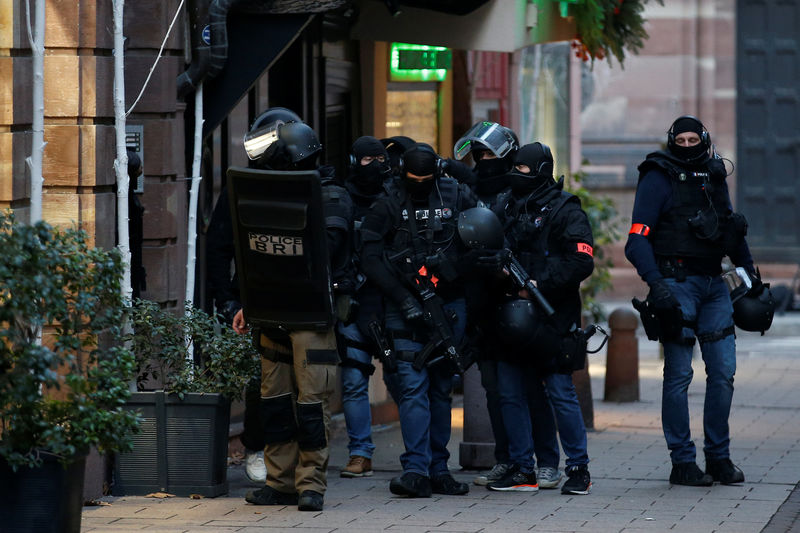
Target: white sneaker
(494,474)
(254,467)
(548,477)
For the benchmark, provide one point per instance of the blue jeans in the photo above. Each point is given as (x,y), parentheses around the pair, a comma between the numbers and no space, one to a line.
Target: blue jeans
(705,301)
(355,396)
(514,383)
(423,399)
(543,423)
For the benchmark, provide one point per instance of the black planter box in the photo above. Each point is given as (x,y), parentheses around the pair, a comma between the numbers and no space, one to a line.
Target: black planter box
(48,499)
(182,447)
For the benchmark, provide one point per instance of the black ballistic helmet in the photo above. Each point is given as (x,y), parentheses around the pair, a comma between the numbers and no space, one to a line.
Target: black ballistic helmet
(274,114)
(753,302)
(518,322)
(479,228)
(754,312)
(300,141)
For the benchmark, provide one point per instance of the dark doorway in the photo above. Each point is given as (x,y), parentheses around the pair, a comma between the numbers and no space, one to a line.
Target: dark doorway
(768,126)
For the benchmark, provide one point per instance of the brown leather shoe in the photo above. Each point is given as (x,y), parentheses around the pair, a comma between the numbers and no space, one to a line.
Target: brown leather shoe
(357,466)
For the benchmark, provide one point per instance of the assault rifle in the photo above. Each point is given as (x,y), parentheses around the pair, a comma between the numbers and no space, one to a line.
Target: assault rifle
(441,345)
(523,281)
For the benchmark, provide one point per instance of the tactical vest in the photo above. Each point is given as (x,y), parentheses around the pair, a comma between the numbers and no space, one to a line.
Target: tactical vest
(529,231)
(700,222)
(432,230)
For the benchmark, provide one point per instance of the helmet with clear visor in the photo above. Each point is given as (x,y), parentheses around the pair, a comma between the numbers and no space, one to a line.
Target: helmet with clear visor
(491,136)
(262,141)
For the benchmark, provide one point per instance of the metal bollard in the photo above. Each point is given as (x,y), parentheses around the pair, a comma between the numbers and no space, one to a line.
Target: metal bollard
(622,359)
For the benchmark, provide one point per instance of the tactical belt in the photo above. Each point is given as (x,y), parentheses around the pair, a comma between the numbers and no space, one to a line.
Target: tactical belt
(716,335)
(405,355)
(366,368)
(407,334)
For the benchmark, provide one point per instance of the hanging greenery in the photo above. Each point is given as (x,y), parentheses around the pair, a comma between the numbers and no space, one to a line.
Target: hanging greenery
(608,27)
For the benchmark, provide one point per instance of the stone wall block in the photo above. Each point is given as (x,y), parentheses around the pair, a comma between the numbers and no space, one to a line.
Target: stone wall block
(97,86)
(163,148)
(23,90)
(160,95)
(61,90)
(97,25)
(60,208)
(98,216)
(7,21)
(20,173)
(61,30)
(6,168)
(61,164)
(6,90)
(162,217)
(146,23)
(98,159)
(165,272)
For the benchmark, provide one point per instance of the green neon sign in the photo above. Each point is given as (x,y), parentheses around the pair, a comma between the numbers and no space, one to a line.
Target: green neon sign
(419,62)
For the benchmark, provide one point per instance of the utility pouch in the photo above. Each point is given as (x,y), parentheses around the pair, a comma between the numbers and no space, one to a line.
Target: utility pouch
(736,230)
(572,355)
(706,225)
(346,308)
(663,325)
(574,348)
(649,319)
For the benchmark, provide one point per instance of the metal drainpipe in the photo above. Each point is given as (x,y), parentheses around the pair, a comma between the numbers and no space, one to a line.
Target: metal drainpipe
(217,16)
(211,52)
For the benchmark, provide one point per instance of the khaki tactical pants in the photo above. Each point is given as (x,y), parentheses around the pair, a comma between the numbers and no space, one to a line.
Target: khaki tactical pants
(294,403)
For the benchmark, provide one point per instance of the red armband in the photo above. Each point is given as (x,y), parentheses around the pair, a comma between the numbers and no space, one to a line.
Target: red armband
(585,249)
(640,229)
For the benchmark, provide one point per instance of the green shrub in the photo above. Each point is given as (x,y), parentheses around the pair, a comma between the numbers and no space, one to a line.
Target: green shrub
(65,395)
(226,361)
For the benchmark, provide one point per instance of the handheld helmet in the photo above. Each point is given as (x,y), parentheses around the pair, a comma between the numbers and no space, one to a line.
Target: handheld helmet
(753,302)
(479,228)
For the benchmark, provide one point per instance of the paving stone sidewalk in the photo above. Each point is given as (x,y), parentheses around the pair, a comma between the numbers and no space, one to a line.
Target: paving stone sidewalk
(630,467)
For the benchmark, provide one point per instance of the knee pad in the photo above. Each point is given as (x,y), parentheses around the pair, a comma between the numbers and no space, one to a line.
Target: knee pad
(311,426)
(277,416)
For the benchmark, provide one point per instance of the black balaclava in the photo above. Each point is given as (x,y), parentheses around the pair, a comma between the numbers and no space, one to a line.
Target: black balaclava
(368,179)
(541,174)
(490,168)
(419,160)
(690,154)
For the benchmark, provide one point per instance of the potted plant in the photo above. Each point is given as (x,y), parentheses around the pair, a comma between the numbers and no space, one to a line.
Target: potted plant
(189,368)
(63,381)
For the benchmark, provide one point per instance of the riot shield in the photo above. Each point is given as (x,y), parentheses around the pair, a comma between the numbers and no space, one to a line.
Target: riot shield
(281,248)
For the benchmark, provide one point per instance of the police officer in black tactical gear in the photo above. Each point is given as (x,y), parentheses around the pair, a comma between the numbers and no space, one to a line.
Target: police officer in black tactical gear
(493,148)
(411,245)
(370,176)
(682,227)
(551,237)
(298,367)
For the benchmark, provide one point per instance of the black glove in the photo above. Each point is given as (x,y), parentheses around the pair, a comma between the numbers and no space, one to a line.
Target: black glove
(757,286)
(661,297)
(492,260)
(411,308)
(667,309)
